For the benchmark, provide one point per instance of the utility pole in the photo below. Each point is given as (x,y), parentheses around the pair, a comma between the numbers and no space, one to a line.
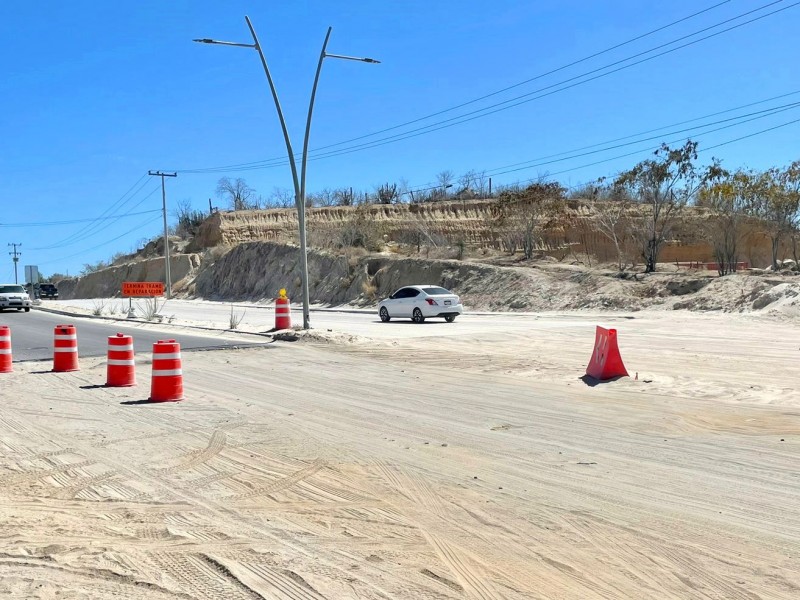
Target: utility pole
(15,254)
(167,274)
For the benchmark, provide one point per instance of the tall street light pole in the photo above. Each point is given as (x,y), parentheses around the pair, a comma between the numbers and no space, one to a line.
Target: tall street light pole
(299,183)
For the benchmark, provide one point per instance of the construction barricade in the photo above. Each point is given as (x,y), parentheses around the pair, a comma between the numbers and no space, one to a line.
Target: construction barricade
(167,377)
(120,366)
(5,349)
(65,348)
(606,362)
(283,313)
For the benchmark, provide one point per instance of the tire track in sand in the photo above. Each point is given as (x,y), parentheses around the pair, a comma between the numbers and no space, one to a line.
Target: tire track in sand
(283,483)
(215,445)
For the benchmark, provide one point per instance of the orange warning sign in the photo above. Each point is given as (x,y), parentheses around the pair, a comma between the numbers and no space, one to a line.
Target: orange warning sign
(142,289)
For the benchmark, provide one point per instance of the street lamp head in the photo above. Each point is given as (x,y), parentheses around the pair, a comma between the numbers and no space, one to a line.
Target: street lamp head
(371,60)
(222,43)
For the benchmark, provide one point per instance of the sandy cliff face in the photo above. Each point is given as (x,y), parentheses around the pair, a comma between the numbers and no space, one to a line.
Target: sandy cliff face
(477,224)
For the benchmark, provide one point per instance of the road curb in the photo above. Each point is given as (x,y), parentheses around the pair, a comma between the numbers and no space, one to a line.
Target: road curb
(145,322)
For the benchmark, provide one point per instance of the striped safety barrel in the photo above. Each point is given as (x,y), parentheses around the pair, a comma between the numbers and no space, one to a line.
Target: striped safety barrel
(65,348)
(120,366)
(283,314)
(5,349)
(167,379)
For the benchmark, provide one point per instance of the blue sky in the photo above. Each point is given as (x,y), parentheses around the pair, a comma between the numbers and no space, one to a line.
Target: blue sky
(94,94)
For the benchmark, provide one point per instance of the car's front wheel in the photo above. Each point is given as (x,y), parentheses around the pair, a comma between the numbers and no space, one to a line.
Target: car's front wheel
(384,315)
(417,317)
(27,310)
(450,318)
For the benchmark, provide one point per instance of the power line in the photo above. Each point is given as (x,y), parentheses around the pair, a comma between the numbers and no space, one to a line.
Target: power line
(73,221)
(606,160)
(506,104)
(489,95)
(648,131)
(738,121)
(98,225)
(571,155)
(114,239)
(88,230)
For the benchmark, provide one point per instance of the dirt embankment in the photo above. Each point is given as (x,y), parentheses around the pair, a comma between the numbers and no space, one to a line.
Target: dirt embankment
(256,271)
(107,283)
(475,224)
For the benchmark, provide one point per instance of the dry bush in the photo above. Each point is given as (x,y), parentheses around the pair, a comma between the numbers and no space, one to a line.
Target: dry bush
(369,289)
(235,318)
(149,309)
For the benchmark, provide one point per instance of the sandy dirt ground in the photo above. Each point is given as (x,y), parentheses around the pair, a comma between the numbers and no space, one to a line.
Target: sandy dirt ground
(475,465)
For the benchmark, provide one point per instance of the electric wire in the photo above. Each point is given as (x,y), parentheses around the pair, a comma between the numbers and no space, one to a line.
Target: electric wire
(639,152)
(73,221)
(105,243)
(500,91)
(91,228)
(99,226)
(738,121)
(512,102)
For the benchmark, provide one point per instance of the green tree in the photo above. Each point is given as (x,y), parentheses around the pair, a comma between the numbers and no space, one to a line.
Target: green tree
(665,185)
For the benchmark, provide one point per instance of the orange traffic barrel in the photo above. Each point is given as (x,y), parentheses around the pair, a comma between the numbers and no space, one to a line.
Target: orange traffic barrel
(167,379)
(65,348)
(283,314)
(5,349)
(120,366)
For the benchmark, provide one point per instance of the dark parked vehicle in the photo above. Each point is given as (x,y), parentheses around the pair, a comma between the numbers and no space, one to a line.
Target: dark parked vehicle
(48,290)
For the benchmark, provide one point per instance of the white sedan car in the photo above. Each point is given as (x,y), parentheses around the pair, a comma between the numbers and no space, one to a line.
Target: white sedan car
(14,296)
(420,302)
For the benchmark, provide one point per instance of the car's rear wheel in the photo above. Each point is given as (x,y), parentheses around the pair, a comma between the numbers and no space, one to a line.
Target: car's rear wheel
(417,317)
(384,315)
(450,318)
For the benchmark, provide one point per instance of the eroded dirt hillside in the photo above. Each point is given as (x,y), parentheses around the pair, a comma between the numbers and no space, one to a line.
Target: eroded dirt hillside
(257,271)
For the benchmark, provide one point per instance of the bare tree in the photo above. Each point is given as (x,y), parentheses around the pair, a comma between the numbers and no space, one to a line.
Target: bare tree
(480,182)
(386,193)
(611,210)
(189,220)
(236,192)
(445,182)
(344,197)
(325,197)
(784,207)
(279,198)
(665,184)
(527,213)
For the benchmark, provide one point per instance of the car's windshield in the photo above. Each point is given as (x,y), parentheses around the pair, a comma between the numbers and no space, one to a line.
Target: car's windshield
(11,289)
(436,291)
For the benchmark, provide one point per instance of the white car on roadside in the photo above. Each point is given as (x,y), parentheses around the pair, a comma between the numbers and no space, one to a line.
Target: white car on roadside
(420,302)
(14,296)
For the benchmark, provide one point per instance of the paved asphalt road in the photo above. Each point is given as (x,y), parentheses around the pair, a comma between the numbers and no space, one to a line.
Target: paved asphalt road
(32,335)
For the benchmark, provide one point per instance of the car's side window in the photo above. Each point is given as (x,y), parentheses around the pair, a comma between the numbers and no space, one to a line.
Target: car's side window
(412,293)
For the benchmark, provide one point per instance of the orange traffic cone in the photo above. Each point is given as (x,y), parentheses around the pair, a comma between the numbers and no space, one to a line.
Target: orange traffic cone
(65,349)
(5,349)
(606,362)
(283,314)
(120,366)
(167,379)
